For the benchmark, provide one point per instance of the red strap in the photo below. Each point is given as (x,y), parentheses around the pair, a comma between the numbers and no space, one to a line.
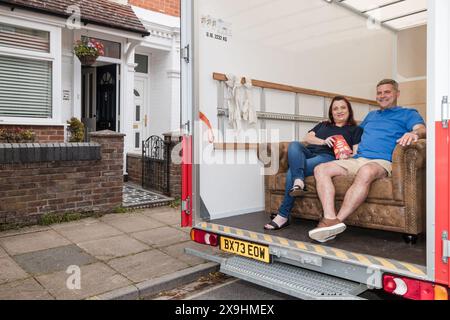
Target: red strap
(208,124)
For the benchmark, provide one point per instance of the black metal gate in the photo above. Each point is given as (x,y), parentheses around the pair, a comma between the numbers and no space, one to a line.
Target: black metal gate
(155,165)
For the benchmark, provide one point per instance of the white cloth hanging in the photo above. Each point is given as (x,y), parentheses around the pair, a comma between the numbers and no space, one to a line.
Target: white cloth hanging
(234,109)
(248,110)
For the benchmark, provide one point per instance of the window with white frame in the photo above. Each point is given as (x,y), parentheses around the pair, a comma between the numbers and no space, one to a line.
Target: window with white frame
(26,72)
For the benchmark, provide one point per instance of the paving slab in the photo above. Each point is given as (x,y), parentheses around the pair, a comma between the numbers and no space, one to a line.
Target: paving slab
(162,237)
(110,248)
(3,253)
(166,215)
(53,260)
(24,230)
(84,231)
(28,289)
(186,230)
(95,279)
(30,242)
(132,223)
(10,271)
(147,265)
(177,251)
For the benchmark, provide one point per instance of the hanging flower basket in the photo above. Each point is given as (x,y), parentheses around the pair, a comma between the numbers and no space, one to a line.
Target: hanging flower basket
(88,50)
(87,60)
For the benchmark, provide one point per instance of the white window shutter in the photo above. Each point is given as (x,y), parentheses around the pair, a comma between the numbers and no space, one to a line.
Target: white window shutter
(25,88)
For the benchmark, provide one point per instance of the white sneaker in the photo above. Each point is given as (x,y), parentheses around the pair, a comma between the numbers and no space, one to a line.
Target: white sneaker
(327,239)
(327,229)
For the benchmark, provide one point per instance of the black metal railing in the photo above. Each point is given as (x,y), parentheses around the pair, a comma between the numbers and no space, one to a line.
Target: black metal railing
(156,165)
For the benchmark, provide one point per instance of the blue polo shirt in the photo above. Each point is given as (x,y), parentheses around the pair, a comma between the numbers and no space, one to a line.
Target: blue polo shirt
(383,128)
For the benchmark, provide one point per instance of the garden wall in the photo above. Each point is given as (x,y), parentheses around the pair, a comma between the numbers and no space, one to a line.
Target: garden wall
(44,134)
(58,178)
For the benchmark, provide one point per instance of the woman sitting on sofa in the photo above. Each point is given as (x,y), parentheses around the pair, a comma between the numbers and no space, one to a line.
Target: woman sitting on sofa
(303,160)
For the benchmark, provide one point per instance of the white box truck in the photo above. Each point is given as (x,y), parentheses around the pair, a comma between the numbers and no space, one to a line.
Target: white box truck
(281,61)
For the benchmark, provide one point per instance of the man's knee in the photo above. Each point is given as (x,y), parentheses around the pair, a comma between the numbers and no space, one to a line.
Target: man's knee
(369,173)
(323,170)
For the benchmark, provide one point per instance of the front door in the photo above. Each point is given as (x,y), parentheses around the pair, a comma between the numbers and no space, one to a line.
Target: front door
(106,97)
(140,121)
(438,125)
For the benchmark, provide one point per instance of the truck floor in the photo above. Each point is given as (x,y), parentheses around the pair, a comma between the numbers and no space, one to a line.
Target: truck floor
(365,241)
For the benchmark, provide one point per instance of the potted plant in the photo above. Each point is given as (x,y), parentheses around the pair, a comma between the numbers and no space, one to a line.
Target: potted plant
(88,50)
(76,130)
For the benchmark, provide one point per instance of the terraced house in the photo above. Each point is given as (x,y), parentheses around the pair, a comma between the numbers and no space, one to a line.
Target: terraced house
(133,88)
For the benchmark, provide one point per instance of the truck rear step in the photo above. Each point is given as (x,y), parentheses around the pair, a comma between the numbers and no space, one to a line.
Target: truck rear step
(290,280)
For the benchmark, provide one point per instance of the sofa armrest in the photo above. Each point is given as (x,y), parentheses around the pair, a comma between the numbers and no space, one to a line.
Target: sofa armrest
(406,163)
(265,152)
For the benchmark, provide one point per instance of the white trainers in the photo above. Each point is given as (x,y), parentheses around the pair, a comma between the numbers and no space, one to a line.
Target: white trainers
(327,239)
(327,229)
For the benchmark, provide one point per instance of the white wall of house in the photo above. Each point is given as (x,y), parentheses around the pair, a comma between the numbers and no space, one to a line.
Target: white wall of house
(67,82)
(160,94)
(163,47)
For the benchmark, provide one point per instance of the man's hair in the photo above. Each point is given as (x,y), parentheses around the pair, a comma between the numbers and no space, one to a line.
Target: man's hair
(388,81)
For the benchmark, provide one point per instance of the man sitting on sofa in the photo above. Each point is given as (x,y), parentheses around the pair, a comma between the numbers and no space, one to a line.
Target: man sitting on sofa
(383,129)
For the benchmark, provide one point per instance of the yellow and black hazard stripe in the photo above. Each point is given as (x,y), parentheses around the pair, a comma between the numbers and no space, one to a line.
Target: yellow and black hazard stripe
(388,265)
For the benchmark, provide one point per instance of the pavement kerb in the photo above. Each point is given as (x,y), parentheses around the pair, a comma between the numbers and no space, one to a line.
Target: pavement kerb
(154,286)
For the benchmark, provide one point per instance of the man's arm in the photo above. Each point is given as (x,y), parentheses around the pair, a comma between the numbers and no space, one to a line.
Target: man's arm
(419,132)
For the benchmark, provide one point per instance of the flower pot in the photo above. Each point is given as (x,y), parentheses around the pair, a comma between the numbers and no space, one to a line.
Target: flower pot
(87,60)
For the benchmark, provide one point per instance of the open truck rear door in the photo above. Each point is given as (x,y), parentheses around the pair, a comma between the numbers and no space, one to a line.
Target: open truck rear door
(438,131)
(186,113)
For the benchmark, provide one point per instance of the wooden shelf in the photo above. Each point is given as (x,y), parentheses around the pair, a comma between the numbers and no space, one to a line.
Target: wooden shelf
(282,87)
(235,146)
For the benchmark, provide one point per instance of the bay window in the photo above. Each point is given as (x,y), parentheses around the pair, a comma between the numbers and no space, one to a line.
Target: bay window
(30,58)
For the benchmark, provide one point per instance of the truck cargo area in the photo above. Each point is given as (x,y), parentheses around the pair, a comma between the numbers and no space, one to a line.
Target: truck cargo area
(285,61)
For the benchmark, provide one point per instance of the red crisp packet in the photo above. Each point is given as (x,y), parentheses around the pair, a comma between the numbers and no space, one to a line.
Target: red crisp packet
(341,147)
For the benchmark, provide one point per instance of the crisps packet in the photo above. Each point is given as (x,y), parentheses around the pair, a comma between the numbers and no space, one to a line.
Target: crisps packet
(341,148)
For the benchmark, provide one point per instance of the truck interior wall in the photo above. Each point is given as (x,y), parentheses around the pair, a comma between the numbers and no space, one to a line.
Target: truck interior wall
(303,43)
(412,68)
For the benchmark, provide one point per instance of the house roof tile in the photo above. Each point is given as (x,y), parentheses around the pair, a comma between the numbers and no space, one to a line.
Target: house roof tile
(100,12)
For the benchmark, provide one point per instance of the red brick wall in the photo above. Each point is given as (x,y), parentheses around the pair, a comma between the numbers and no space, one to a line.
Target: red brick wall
(134,168)
(170,7)
(44,134)
(28,191)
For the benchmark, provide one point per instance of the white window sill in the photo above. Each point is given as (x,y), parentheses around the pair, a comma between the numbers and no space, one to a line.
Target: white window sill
(25,122)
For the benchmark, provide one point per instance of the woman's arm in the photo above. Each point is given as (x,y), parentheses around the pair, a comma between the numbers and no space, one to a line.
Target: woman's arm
(312,139)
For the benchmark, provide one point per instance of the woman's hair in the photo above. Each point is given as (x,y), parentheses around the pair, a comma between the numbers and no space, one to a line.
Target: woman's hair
(351,120)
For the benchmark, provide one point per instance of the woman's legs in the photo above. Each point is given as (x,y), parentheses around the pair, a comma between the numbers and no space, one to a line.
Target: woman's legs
(288,201)
(297,156)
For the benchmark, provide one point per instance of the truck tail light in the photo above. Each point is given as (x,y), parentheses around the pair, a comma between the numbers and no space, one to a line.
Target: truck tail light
(414,289)
(204,237)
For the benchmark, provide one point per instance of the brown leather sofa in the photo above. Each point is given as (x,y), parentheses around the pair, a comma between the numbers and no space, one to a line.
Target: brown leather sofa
(394,204)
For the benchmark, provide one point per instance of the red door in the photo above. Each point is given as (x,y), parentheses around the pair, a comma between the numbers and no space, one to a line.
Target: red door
(442,201)
(438,115)
(187,103)
(186,183)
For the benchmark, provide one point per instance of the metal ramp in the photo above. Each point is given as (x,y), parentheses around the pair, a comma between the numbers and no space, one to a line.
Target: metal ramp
(288,279)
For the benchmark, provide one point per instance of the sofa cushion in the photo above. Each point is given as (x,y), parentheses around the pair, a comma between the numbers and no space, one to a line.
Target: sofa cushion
(381,189)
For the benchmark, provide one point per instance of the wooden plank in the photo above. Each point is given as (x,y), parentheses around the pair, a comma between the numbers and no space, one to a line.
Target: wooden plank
(282,87)
(235,146)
